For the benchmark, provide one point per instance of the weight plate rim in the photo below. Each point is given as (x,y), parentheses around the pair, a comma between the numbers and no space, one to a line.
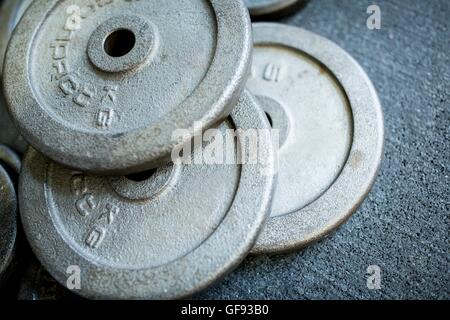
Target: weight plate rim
(263,10)
(11,12)
(175,279)
(10,158)
(210,103)
(10,213)
(303,227)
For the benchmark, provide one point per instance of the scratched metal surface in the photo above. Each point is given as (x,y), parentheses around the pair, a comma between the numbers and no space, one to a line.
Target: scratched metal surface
(404,225)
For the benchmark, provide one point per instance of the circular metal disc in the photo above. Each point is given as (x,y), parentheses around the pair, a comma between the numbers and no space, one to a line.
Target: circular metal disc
(10,158)
(10,13)
(267,7)
(163,236)
(102,88)
(8,224)
(331,133)
(8,132)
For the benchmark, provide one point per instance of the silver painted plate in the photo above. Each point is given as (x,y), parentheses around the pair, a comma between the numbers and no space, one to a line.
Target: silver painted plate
(10,158)
(331,132)
(10,13)
(166,234)
(267,7)
(8,225)
(101,88)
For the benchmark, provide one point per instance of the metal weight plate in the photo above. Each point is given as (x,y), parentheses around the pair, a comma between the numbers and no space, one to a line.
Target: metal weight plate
(101,86)
(331,133)
(10,158)
(10,13)
(259,8)
(162,234)
(8,225)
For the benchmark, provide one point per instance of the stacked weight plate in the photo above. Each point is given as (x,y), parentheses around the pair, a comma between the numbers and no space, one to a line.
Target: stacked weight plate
(10,13)
(125,106)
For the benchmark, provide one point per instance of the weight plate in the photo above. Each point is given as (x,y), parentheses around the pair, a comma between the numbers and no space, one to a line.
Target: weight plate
(8,132)
(267,7)
(113,81)
(331,132)
(165,235)
(10,158)
(8,225)
(10,13)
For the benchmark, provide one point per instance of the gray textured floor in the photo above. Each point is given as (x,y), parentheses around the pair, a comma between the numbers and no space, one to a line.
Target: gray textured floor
(404,224)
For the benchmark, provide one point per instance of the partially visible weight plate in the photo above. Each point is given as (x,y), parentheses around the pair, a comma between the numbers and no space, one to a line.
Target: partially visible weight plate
(8,225)
(10,13)
(331,133)
(10,159)
(162,234)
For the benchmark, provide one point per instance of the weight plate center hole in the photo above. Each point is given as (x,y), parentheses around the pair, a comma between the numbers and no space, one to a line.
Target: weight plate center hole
(119,43)
(269,118)
(276,115)
(145,185)
(141,176)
